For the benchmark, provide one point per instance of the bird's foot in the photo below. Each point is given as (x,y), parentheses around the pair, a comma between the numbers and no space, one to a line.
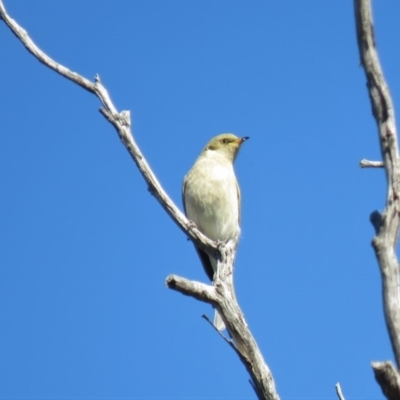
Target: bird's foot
(190,226)
(220,244)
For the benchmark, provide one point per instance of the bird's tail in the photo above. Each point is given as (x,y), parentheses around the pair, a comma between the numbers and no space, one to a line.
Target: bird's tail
(218,322)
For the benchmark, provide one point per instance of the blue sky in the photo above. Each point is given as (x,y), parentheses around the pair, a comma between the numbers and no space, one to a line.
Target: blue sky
(85,249)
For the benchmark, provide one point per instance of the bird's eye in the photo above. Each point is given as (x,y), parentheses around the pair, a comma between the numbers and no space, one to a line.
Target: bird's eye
(224,141)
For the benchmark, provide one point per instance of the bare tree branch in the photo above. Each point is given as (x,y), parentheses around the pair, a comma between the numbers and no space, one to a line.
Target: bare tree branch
(371,164)
(339,392)
(388,378)
(387,224)
(221,294)
(122,124)
(197,290)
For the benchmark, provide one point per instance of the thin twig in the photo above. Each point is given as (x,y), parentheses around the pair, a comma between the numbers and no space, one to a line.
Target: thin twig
(229,341)
(244,360)
(339,392)
(371,164)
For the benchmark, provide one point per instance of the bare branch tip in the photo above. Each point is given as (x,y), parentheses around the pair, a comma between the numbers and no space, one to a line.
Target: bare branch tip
(170,281)
(339,392)
(208,320)
(371,164)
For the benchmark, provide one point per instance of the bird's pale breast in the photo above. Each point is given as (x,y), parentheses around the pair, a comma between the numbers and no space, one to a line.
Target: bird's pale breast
(211,198)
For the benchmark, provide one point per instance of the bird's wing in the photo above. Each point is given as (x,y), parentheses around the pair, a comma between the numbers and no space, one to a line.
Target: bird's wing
(205,261)
(183,194)
(239,200)
(204,257)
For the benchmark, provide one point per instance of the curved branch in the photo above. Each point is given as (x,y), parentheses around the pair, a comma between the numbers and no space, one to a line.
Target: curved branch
(122,124)
(387,225)
(221,295)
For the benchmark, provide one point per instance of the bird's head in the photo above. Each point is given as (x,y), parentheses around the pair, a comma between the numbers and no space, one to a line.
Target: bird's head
(226,144)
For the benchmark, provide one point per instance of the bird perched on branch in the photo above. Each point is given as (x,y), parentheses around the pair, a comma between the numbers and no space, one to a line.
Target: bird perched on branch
(211,198)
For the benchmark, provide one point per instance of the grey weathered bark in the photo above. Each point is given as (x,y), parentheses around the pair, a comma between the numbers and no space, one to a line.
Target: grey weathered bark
(371,164)
(220,294)
(339,393)
(388,378)
(386,224)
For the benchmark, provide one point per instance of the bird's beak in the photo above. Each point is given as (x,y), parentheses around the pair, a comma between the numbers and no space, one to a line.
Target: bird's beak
(241,140)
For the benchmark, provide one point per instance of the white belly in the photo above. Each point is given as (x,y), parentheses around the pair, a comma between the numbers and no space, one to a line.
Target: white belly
(214,205)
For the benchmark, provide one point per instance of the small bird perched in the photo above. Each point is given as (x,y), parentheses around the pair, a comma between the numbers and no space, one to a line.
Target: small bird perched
(211,198)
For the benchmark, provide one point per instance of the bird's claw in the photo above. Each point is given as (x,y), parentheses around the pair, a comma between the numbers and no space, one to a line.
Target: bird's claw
(190,226)
(219,244)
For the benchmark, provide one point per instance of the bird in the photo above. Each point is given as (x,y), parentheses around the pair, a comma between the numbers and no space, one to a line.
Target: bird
(211,198)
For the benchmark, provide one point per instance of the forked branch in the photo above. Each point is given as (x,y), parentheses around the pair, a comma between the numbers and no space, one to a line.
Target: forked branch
(220,295)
